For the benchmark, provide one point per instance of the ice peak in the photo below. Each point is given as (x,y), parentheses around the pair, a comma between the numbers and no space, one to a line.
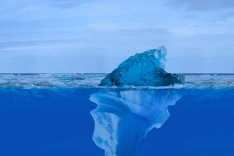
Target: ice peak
(143,69)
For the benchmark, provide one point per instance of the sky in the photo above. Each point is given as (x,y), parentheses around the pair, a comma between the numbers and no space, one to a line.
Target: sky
(95,36)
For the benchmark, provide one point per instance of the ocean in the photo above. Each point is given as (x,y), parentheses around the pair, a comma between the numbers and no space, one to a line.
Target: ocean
(70,115)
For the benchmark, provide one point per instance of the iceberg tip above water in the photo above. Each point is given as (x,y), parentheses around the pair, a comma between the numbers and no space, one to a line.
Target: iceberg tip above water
(143,69)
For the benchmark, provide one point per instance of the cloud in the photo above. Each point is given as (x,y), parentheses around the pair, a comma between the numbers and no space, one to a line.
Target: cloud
(225,17)
(20,44)
(202,4)
(67,4)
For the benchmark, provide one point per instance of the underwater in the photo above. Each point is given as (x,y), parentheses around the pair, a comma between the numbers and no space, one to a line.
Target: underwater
(54,117)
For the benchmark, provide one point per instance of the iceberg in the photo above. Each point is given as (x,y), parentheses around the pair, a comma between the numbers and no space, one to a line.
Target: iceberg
(123,118)
(143,69)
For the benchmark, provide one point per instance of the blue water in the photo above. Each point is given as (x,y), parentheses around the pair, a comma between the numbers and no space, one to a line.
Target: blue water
(52,122)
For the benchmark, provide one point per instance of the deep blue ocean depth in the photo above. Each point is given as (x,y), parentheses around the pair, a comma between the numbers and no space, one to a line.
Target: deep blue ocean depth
(57,122)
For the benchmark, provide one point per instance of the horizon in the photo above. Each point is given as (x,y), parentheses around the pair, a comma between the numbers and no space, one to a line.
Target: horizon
(109,73)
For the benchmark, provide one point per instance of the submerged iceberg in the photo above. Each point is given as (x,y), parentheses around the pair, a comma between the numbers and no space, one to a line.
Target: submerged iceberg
(143,69)
(123,118)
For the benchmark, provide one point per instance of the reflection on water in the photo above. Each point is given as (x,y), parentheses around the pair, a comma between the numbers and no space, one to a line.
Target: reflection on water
(123,118)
